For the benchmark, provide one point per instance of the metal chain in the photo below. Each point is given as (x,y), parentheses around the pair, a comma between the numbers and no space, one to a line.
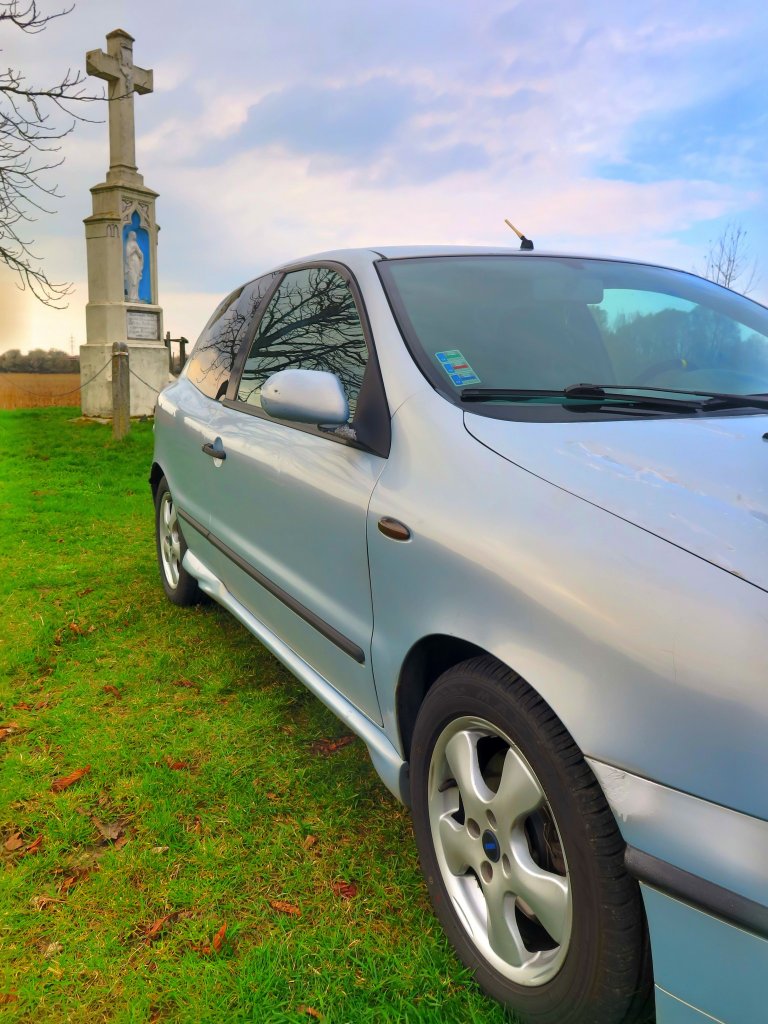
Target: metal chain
(61,394)
(134,374)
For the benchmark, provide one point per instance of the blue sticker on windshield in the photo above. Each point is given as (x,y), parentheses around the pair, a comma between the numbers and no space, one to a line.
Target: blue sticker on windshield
(457,368)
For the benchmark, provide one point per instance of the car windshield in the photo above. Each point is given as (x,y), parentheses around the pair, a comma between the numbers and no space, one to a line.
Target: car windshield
(544,323)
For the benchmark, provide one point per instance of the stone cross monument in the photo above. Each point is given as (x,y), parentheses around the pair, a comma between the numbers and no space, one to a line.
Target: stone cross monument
(121,244)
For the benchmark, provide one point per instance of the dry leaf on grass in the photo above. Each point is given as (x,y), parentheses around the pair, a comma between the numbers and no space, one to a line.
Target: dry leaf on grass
(177,766)
(216,943)
(35,846)
(67,884)
(109,688)
(67,780)
(186,683)
(326,747)
(285,908)
(23,706)
(110,832)
(218,938)
(160,849)
(9,729)
(151,932)
(309,842)
(76,629)
(41,902)
(85,592)
(15,843)
(346,890)
(7,997)
(52,950)
(310,1011)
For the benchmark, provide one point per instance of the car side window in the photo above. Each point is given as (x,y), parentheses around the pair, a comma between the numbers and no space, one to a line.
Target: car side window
(210,365)
(311,323)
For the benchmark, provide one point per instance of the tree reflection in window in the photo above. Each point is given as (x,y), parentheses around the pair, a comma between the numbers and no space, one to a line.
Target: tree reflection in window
(213,357)
(311,324)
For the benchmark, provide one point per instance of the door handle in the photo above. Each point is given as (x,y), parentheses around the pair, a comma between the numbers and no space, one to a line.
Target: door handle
(393,528)
(216,453)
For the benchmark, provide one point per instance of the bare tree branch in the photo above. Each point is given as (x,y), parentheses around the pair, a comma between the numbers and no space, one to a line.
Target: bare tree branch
(729,260)
(29,132)
(27,17)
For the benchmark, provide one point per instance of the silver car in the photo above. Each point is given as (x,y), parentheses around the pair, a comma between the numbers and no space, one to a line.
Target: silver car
(506,514)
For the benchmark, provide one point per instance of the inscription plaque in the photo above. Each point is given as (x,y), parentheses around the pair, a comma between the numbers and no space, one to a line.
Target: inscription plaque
(143,325)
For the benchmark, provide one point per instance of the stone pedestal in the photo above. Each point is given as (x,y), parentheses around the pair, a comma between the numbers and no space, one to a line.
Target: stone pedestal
(121,244)
(147,361)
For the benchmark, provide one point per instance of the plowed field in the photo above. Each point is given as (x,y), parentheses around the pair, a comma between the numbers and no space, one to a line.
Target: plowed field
(32,390)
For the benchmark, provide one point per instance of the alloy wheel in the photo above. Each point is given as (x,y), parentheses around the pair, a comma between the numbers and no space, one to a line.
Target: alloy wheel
(170,540)
(500,851)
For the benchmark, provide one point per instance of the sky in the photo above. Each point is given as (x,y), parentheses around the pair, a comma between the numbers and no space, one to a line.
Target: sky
(277,130)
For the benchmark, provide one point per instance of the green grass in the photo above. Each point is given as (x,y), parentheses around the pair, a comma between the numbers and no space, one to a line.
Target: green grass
(210,842)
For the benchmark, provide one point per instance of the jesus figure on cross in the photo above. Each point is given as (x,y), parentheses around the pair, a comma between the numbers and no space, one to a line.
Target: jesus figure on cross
(124,79)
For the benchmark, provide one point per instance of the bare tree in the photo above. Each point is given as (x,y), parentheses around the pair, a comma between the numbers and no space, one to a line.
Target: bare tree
(729,260)
(30,128)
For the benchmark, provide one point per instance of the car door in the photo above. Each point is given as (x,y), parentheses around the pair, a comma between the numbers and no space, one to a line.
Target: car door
(196,403)
(288,512)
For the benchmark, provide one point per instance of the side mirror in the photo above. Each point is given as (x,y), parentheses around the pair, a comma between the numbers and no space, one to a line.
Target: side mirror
(305,396)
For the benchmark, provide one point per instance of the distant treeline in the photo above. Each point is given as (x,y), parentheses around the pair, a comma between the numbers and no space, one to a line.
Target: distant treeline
(38,361)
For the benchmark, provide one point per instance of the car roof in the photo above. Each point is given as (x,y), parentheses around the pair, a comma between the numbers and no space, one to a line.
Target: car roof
(353,257)
(393,252)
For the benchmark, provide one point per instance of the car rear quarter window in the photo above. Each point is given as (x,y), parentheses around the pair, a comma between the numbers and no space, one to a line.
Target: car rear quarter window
(213,357)
(312,323)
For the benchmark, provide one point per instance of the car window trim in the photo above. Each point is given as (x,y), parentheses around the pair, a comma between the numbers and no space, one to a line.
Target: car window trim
(380,442)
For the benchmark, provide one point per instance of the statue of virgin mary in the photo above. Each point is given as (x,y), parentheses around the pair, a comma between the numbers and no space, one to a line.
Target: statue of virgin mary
(133,267)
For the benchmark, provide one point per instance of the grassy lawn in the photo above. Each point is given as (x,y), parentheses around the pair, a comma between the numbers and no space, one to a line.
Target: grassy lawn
(218,861)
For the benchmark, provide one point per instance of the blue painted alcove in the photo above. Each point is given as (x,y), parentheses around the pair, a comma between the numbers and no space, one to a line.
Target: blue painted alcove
(142,237)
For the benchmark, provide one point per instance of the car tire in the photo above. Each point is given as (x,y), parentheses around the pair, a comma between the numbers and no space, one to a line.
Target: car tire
(179,586)
(522,856)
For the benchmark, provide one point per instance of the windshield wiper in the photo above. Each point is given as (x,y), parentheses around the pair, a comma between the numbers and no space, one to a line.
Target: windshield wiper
(633,394)
(712,399)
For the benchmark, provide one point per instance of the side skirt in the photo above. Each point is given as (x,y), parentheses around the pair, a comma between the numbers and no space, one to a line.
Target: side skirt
(386,759)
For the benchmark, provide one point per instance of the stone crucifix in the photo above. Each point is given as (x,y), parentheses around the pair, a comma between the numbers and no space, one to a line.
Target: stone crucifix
(117,68)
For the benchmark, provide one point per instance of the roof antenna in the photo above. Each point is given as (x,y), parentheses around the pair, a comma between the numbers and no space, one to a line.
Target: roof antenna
(525,243)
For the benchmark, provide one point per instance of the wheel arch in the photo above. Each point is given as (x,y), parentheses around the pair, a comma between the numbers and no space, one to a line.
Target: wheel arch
(428,659)
(423,665)
(156,474)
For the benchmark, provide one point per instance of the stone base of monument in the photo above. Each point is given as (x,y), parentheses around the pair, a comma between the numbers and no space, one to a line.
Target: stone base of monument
(148,362)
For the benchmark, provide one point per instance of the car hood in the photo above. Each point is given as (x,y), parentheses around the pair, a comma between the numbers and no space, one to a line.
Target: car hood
(701,484)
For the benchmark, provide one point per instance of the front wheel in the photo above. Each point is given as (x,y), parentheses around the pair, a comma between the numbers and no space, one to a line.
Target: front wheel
(179,586)
(522,856)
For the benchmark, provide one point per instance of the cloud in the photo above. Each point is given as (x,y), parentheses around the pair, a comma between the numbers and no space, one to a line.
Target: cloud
(633,129)
(723,138)
(354,120)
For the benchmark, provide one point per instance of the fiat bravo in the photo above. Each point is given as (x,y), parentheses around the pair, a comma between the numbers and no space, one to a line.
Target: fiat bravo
(506,514)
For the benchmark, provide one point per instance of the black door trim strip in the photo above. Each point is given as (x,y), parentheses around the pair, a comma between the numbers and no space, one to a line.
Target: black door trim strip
(328,631)
(707,896)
